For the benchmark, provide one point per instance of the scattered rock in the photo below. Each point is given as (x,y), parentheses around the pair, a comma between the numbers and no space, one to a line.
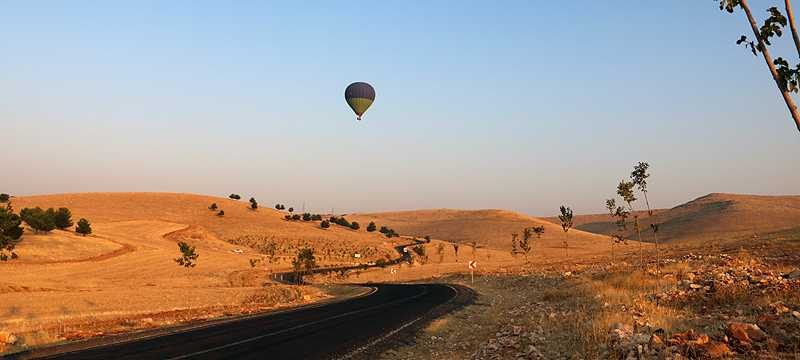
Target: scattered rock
(746,333)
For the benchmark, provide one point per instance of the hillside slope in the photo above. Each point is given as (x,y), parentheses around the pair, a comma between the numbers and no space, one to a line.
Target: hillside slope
(490,228)
(715,216)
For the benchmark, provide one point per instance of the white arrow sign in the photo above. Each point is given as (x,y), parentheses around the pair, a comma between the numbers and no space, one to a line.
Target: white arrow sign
(394,271)
(473,265)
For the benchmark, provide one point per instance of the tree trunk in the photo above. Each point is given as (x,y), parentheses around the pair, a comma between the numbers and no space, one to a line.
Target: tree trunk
(768,59)
(792,25)
(647,202)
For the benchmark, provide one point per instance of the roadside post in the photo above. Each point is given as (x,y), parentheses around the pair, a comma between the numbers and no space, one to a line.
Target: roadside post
(473,264)
(394,274)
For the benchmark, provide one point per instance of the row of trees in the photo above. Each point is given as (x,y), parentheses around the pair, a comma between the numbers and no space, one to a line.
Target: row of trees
(41,221)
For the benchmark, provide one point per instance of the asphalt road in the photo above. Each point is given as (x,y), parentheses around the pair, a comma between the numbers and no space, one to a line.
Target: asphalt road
(324,331)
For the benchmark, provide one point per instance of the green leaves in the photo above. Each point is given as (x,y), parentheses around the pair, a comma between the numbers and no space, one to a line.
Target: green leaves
(729,5)
(625,191)
(188,257)
(565,218)
(773,25)
(788,77)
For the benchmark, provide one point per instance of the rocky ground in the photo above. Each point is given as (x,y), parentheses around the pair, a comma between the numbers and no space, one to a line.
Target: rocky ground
(700,305)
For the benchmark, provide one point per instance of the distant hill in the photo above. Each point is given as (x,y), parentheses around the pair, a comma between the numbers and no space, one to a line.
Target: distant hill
(489,228)
(716,216)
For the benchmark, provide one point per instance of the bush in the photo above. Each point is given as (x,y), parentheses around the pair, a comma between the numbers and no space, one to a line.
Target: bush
(341,221)
(221,213)
(213,207)
(316,217)
(324,224)
(84,227)
(296,217)
(188,256)
(288,217)
(371,226)
(355,226)
(10,232)
(291,210)
(38,219)
(253,204)
(63,218)
(234,196)
(384,230)
(306,217)
(279,207)
(4,198)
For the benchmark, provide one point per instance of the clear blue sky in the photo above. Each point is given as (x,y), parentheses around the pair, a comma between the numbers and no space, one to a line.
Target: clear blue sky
(523,106)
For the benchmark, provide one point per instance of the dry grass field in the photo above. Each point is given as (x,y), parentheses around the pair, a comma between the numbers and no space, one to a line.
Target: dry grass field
(123,276)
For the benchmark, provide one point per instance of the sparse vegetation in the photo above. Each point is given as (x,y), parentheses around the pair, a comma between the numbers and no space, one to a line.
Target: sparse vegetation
(213,207)
(253,204)
(566,224)
(84,227)
(221,213)
(625,191)
(525,243)
(234,197)
(4,198)
(325,224)
(188,258)
(621,215)
(514,242)
(354,225)
(371,226)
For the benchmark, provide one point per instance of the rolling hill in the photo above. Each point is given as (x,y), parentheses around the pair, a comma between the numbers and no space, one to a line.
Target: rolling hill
(713,217)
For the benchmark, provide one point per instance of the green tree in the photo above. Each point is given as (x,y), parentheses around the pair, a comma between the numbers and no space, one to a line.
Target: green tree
(221,213)
(354,225)
(39,220)
(291,210)
(306,217)
(566,224)
(304,261)
(371,226)
(213,207)
(234,196)
(63,218)
(84,227)
(10,232)
(325,224)
(384,230)
(4,198)
(188,256)
(786,76)
(253,204)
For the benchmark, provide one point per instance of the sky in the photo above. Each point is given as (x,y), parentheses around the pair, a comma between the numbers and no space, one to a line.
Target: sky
(524,106)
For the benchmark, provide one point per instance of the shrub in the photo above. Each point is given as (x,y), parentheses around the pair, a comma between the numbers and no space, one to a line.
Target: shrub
(253,204)
(355,226)
(371,226)
(306,217)
(221,213)
(188,256)
(288,217)
(213,207)
(38,219)
(4,198)
(316,217)
(63,218)
(296,217)
(84,227)
(384,230)
(324,224)
(427,238)
(10,232)
(234,196)
(291,210)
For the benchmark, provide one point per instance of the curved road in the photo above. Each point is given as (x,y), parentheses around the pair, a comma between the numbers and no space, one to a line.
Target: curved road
(323,331)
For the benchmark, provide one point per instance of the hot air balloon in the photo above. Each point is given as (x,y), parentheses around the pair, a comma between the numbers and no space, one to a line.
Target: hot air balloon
(359,95)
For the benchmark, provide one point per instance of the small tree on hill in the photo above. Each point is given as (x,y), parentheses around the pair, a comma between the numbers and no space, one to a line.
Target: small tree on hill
(213,207)
(525,244)
(4,198)
(296,217)
(514,242)
(383,230)
(427,238)
(354,225)
(253,204)
(188,258)
(325,224)
(304,261)
(539,231)
(234,196)
(291,210)
(63,218)
(455,250)
(566,224)
(371,226)
(306,217)
(287,217)
(39,220)
(221,213)
(625,191)
(84,227)
(10,232)
(316,217)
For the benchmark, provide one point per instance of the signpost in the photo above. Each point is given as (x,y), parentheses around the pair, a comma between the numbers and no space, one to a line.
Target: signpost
(472,266)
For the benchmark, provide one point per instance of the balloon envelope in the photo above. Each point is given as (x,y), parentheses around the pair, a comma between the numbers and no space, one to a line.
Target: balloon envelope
(359,95)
